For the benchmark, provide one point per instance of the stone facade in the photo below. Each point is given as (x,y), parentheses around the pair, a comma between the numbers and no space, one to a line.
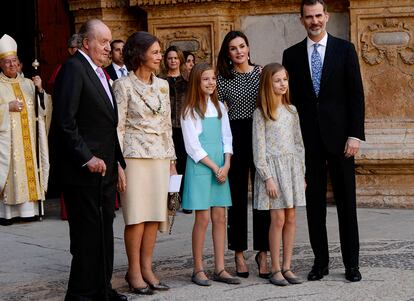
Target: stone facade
(382,31)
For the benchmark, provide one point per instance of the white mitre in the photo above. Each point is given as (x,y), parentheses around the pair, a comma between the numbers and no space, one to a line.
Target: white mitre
(8,46)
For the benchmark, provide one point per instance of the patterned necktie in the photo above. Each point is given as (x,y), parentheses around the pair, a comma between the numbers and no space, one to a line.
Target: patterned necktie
(123,71)
(105,84)
(316,65)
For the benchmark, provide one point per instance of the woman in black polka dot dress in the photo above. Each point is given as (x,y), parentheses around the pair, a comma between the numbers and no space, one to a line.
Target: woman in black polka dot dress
(237,86)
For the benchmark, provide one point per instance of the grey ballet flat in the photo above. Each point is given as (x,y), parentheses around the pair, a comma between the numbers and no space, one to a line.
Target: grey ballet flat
(229,280)
(198,281)
(292,280)
(278,282)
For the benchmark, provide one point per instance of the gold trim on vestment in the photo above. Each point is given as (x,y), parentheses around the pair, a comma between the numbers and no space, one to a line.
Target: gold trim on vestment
(27,144)
(4,54)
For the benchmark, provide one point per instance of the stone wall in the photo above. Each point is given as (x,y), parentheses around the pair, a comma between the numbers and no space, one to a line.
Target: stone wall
(382,31)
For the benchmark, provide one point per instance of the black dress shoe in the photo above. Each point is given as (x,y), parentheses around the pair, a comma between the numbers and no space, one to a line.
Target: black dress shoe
(6,222)
(261,275)
(353,274)
(317,273)
(113,295)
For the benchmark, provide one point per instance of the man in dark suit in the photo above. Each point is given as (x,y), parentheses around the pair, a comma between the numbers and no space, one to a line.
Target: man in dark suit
(117,69)
(326,88)
(87,158)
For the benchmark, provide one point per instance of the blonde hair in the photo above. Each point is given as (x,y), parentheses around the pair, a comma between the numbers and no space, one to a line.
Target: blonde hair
(195,100)
(266,98)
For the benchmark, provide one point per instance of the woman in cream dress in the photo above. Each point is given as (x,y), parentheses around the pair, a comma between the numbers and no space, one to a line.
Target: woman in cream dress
(145,135)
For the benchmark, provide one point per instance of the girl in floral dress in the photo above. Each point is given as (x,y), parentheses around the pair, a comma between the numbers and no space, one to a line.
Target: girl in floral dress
(279,157)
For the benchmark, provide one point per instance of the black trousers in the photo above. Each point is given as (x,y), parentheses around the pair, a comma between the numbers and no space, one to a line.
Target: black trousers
(181,154)
(342,174)
(242,167)
(86,280)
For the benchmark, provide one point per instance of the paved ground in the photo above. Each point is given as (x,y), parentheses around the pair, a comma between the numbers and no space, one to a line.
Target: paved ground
(35,262)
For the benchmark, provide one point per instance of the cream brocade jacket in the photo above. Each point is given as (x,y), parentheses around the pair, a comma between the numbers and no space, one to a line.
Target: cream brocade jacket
(144,127)
(22,179)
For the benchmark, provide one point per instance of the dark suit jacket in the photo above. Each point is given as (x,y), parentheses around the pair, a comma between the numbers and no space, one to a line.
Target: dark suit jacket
(338,112)
(111,71)
(83,124)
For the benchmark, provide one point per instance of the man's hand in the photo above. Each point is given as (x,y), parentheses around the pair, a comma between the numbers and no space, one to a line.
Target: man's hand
(96,165)
(351,147)
(16,105)
(271,188)
(37,81)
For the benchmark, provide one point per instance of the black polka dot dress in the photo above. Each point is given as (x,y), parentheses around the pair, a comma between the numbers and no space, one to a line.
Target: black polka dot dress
(240,93)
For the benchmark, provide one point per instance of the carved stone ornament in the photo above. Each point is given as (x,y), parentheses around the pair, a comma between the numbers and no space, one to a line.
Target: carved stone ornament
(390,40)
(195,39)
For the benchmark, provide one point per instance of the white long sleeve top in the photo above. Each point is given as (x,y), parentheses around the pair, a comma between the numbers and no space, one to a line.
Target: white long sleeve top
(192,128)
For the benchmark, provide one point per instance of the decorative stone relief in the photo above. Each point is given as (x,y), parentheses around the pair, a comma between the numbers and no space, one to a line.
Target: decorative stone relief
(196,39)
(387,54)
(390,40)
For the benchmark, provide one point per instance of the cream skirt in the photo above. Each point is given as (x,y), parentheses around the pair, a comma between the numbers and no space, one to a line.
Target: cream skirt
(145,198)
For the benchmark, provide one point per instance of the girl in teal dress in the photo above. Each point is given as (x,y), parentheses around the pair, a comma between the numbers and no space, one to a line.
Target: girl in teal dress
(208,143)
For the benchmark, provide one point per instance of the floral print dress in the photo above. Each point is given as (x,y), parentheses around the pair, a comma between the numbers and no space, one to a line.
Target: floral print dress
(278,152)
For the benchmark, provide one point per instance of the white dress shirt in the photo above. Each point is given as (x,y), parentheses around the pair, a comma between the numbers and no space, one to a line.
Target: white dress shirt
(192,127)
(321,49)
(118,71)
(104,82)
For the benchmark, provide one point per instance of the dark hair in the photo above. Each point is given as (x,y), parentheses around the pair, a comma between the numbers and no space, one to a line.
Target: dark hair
(180,56)
(116,42)
(187,54)
(224,64)
(74,41)
(312,2)
(135,48)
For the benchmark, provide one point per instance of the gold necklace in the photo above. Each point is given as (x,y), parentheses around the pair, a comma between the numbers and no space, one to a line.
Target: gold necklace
(154,111)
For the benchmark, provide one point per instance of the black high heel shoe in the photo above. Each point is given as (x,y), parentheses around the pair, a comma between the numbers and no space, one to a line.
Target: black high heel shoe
(139,291)
(261,275)
(241,274)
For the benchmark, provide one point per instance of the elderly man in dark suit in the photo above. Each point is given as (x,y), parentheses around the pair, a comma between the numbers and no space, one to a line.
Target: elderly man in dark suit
(88,160)
(326,88)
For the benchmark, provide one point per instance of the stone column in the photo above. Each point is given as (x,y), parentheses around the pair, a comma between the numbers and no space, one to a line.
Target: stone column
(383,33)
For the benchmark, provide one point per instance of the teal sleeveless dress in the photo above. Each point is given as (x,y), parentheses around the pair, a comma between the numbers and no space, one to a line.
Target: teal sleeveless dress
(201,189)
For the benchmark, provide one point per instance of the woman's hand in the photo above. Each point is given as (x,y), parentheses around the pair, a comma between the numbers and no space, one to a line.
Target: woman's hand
(173,169)
(271,188)
(121,185)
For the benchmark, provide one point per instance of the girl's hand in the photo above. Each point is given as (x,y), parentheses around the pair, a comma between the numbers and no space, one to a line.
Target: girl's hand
(222,174)
(271,188)
(121,185)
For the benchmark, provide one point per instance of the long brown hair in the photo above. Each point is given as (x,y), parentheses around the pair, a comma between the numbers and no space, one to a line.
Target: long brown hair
(195,101)
(266,98)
